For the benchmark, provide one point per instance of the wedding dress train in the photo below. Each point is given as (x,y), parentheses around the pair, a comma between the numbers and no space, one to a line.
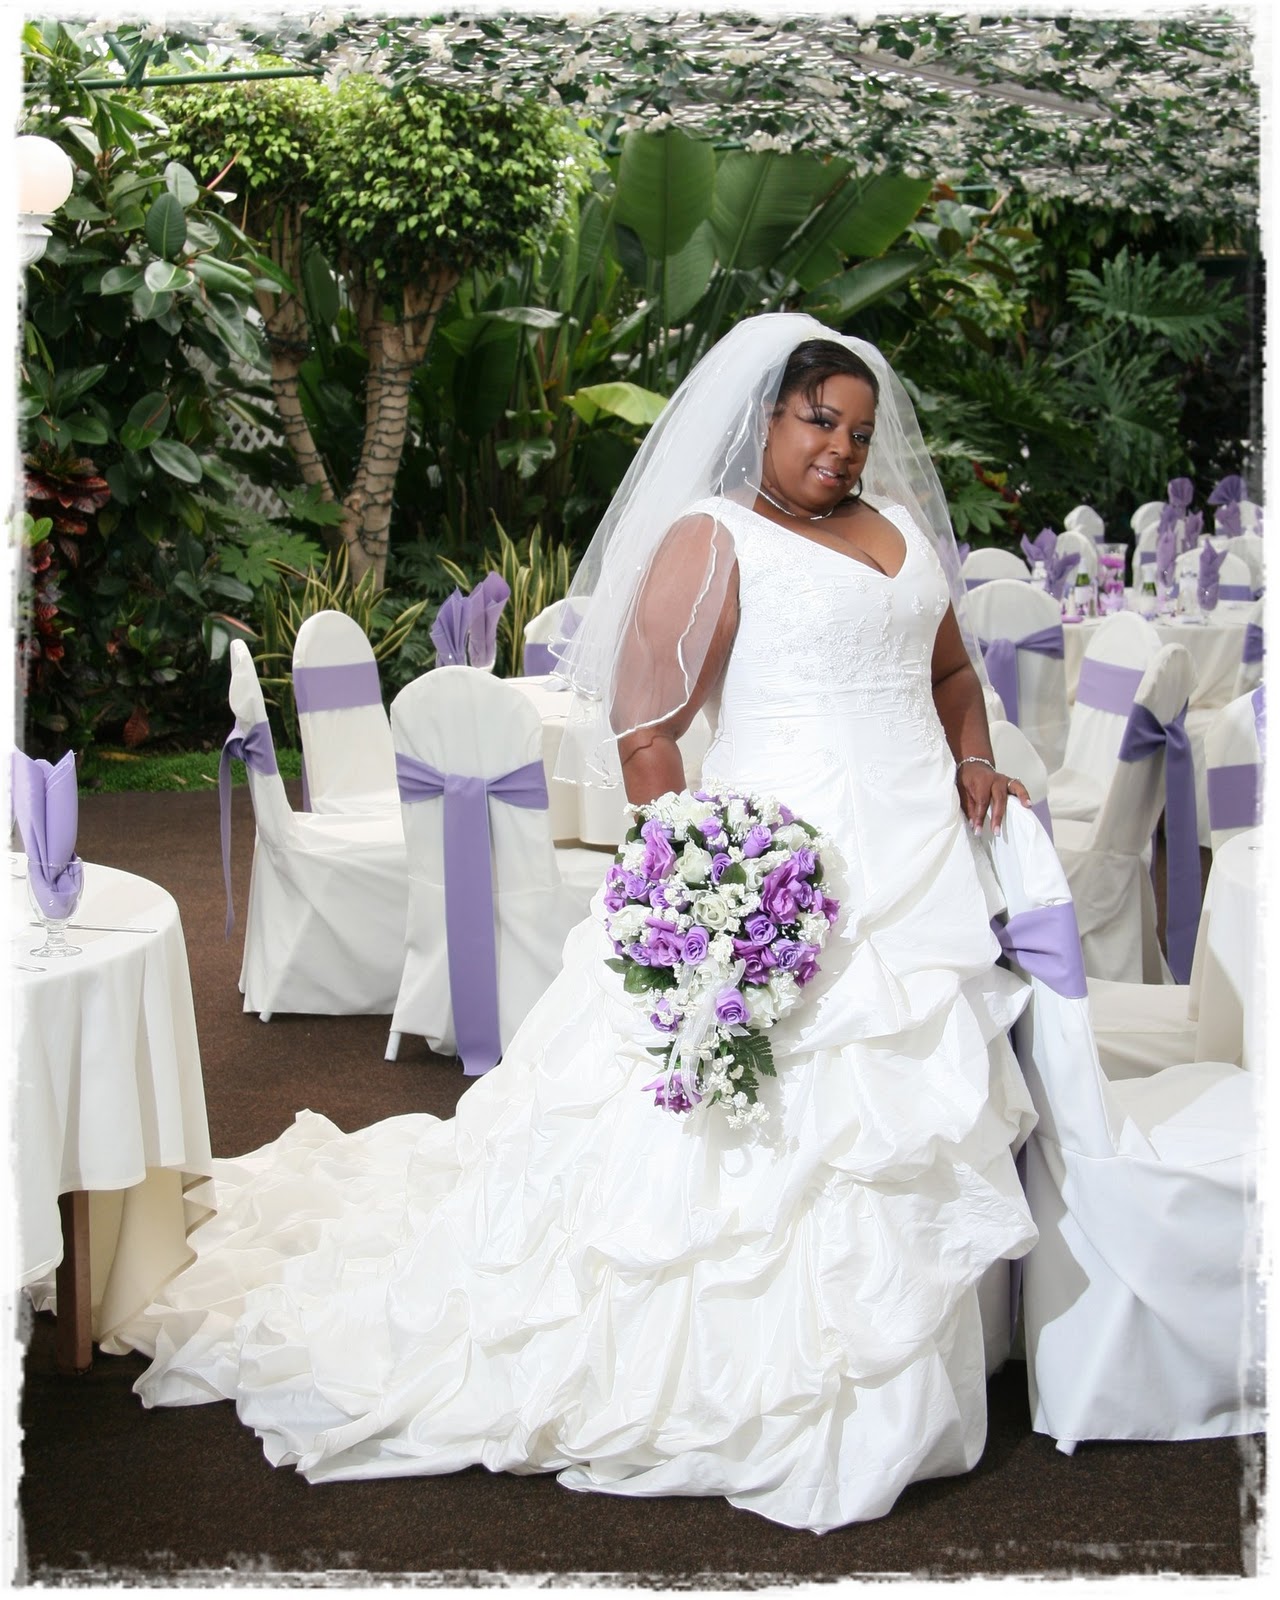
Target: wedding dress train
(565,1278)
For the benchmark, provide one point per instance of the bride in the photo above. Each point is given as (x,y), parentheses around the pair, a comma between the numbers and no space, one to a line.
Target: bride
(564,1278)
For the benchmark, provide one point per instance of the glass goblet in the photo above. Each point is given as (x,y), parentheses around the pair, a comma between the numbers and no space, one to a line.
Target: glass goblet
(54,897)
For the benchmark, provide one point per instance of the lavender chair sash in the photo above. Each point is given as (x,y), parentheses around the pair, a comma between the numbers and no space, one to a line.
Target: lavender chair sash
(1253,649)
(1107,687)
(1144,736)
(1002,662)
(1045,943)
(1258,700)
(468,891)
(538,660)
(337,688)
(256,749)
(1040,809)
(1233,796)
(1236,591)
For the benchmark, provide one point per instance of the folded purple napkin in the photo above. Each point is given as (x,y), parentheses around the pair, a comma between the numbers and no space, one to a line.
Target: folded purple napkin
(1057,569)
(449,631)
(1227,520)
(1207,577)
(484,609)
(1227,491)
(46,807)
(1181,492)
(1041,547)
(1192,528)
(1166,549)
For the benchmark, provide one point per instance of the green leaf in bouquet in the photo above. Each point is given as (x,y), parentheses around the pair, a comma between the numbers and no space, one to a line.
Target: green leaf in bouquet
(640,979)
(617,964)
(734,874)
(754,1053)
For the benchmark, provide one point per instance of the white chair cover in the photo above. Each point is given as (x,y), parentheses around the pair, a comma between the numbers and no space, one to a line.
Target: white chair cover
(1017,756)
(1008,609)
(1084,520)
(1201,717)
(1146,517)
(1075,542)
(1123,642)
(1250,516)
(324,928)
(463,721)
(1107,860)
(980,566)
(540,631)
(347,757)
(1233,765)
(1252,550)
(1144,548)
(1234,575)
(1140,1300)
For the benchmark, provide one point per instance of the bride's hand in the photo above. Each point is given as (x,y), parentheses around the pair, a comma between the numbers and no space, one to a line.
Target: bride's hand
(982,789)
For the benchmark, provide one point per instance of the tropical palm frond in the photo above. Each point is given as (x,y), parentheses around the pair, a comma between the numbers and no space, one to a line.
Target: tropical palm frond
(1175,303)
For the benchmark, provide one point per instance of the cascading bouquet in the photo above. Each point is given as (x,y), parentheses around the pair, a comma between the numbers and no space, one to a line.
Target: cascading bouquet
(717,919)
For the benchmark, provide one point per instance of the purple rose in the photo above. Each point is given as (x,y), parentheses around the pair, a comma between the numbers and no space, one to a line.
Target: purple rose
(731,1008)
(658,898)
(805,861)
(788,816)
(718,864)
(759,928)
(711,828)
(778,892)
(637,885)
(807,967)
(664,943)
(786,953)
(759,958)
(696,941)
(639,952)
(673,1096)
(757,841)
(659,857)
(664,1017)
(823,905)
(614,900)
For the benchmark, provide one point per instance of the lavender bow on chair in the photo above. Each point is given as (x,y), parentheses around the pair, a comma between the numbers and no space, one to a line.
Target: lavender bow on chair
(1045,943)
(258,752)
(46,807)
(1001,656)
(1144,736)
(484,609)
(1207,576)
(449,631)
(1057,569)
(468,891)
(1258,700)
(1041,548)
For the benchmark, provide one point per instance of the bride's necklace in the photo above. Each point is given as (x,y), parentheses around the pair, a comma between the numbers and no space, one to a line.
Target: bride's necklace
(820,516)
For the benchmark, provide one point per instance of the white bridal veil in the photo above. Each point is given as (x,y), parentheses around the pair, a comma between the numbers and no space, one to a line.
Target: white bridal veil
(650,589)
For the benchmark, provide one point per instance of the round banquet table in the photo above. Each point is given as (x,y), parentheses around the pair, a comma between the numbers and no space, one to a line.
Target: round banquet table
(1216,645)
(1226,972)
(112,1154)
(586,813)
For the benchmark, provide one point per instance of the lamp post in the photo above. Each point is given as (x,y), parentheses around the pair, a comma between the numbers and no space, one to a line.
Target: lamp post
(45,179)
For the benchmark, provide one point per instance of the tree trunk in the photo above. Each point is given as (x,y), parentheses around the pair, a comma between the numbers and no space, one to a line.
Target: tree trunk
(395,348)
(289,344)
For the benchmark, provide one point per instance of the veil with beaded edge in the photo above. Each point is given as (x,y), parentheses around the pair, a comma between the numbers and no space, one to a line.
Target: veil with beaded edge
(643,626)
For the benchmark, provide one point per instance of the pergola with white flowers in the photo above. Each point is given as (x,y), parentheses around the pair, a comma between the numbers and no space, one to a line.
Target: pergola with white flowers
(1155,113)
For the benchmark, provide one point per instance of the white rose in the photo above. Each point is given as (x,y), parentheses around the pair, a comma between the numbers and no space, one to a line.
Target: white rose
(712,911)
(793,836)
(720,951)
(694,864)
(628,923)
(764,1009)
(784,990)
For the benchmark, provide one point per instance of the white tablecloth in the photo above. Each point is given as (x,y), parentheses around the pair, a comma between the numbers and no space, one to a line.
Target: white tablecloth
(1226,973)
(109,1097)
(1216,646)
(584,812)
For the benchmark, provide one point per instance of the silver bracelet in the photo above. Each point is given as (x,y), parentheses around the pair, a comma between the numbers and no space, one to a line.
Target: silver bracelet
(981,760)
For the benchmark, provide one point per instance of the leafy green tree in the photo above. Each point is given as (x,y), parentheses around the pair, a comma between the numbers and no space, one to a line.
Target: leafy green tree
(134,340)
(401,193)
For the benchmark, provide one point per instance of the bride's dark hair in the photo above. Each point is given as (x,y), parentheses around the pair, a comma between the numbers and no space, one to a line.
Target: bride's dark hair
(814,361)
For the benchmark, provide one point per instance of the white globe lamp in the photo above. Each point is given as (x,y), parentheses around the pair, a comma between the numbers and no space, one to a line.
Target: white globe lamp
(45,178)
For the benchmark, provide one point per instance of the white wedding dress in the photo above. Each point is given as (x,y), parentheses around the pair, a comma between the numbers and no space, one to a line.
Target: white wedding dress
(564,1278)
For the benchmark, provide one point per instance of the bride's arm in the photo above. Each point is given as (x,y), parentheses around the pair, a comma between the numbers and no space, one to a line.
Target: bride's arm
(695,566)
(957,694)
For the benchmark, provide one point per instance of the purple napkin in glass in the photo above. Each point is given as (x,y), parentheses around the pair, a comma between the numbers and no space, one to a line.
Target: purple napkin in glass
(46,806)
(1041,547)
(1181,492)
(1207,577)
(449,631)
(484,609)
(1057,569)
(1227,491)
(1192,528)
(1227,521)
(1166,549)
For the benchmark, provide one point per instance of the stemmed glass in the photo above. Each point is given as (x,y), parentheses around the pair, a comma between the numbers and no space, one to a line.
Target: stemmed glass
(55,906)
